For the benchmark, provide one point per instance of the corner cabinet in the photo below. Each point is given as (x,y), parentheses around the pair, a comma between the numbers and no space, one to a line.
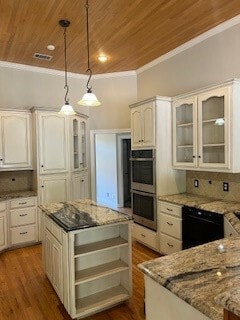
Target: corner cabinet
(143,124)
(15,141)
(205,129)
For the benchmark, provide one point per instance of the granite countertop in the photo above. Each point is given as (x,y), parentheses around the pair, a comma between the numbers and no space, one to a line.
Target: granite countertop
(228,208)
(17,194)
(82,213)
(200,275)
(230,300)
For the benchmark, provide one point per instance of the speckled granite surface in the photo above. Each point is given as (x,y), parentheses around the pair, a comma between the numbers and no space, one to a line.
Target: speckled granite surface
(230,300)
(17,194)
(83,213)
(186,199)
(200,274)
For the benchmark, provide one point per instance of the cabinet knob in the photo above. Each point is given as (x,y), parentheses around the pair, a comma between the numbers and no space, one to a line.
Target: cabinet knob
(142,140)
(199,157)
(139,140)
(82,180)
(42,165)
(1,159)
(42,186)
(194,157)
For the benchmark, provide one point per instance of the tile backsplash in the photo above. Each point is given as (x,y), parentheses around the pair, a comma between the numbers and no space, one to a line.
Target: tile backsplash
(211,184)
(16,181)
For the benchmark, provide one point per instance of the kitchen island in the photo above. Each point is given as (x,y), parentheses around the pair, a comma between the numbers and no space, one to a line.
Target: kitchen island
(192,283)
(87,255)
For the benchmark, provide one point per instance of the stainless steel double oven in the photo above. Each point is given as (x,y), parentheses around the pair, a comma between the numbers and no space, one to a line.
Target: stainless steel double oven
(143,187)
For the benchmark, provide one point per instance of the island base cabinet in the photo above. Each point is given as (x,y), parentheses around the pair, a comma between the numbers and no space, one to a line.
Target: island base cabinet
(161,304)
(101,271)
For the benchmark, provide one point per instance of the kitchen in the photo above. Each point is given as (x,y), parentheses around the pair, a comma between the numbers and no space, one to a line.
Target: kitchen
(206,62)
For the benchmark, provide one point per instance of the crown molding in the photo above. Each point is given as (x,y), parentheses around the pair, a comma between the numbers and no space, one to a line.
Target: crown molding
(218,29)
(54,72)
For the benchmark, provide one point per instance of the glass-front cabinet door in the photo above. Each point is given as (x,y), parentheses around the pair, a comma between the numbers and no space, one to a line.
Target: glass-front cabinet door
(79,136)
(185,132)
(83,131)
(213,117)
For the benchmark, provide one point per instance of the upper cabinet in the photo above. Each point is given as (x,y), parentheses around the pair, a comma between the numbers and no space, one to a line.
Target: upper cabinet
(15,141)
(53,143)
(79,143)
(143,125)
(205,130)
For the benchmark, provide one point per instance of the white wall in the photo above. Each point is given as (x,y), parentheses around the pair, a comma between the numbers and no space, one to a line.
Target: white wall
(106,169)
(27,88)
(214,60)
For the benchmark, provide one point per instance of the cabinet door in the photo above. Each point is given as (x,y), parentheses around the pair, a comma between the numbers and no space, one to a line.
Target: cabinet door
(136,131)
(54,189)
(83,143)
(79,143)
(53,143)
(57,271)
(148,125)
(80,186)
(15,146)
(3,230)
(185,133)
(213,129)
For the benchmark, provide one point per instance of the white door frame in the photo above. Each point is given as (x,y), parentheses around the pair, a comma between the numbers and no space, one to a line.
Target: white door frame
(93,134)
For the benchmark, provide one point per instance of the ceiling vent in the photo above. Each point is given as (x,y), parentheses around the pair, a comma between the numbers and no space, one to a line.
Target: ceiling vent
(42,56)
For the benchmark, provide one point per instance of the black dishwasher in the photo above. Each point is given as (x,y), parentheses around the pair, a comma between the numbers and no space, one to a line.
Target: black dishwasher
(200,226)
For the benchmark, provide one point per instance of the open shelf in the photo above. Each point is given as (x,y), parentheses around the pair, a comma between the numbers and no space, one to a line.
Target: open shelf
(100,271)
(187,124)
(210,120)
(185,146)
(208,145)
(100,245)
(100,300)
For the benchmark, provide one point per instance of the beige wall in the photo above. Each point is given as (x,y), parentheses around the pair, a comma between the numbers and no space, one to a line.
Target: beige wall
(214,60)
(24,88)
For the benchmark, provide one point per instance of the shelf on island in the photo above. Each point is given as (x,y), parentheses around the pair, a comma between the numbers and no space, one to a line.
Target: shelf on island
(209,145)
(100,271)
(187,124)
(100,245)
(101,300)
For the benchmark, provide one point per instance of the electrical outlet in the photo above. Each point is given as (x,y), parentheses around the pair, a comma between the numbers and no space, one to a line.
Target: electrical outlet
(196,183)
(225,186)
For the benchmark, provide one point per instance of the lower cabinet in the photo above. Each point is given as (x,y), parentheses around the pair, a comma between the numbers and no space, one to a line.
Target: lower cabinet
(169,227)
(80,185)
(3,226)
(54,188)
(145,236)
(23,222)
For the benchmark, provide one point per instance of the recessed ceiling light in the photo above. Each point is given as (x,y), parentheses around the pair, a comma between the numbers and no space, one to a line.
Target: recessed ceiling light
(102,58)
(51,47)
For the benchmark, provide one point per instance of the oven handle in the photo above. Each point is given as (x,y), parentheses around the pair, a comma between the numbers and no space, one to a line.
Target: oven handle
(143,193)
(141,159)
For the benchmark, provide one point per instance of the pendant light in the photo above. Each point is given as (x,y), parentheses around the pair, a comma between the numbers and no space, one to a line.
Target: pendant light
(66,109)
(89,98)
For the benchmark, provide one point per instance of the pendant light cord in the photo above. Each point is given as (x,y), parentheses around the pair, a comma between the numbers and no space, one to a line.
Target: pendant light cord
(66,87)
(89,88)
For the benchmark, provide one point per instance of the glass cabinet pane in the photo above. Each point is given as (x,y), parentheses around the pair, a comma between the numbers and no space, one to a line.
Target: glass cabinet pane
(83,144)
(75,144)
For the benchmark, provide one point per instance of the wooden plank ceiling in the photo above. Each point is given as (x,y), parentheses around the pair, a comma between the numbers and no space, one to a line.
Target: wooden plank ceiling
(130,32)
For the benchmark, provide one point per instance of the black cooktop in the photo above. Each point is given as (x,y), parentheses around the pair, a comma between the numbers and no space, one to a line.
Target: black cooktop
(70,218)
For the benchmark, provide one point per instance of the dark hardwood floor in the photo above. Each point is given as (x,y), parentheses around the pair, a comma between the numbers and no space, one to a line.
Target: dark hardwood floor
(26,293)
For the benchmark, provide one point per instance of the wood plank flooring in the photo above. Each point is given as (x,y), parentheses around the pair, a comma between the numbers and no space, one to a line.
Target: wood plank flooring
(26,293)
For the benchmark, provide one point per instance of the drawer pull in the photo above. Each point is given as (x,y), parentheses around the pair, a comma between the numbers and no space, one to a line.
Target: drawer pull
(170,245)
(170,209)
(169,223)
(23,215)
(23,232)
(22,202)
(143,235)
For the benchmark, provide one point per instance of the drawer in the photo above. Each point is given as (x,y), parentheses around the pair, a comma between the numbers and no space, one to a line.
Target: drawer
(23,234)
(145,236)
(19,217)
(170,225)
(2,205)
(23,202)
(170,208)
(53,228)
(169,245)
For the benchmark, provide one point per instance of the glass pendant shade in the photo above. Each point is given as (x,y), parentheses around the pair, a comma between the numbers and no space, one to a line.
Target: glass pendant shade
(67,109)
(89,99)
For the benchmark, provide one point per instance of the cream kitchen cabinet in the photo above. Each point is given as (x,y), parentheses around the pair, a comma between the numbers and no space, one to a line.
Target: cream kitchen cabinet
(80,185)
(205,129)
(22,222)
(170,227)
(15,141)
(54,188)
(79,143)
(143,124)
(53,133)
(3,226)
